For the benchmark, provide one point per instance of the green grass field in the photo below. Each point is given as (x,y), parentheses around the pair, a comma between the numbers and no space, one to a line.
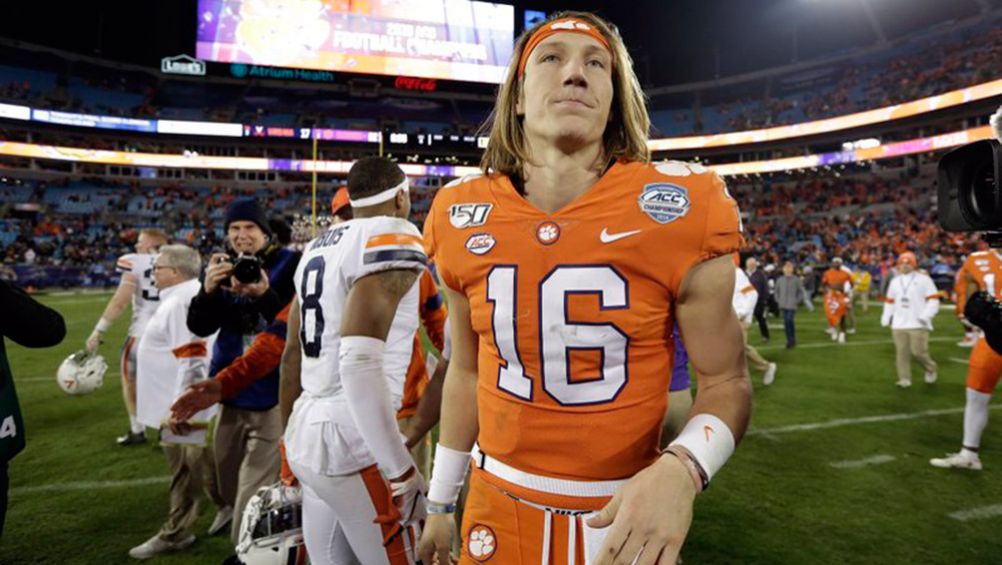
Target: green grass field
(76,497)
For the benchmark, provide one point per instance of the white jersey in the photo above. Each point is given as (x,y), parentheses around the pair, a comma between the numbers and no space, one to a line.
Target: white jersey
(170,357)
(328,269)
(146,298)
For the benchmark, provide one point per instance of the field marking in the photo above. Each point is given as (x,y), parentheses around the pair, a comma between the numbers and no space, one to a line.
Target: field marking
(88,485)
(817,345)
(17,380)
(842,422)
(958,360)
(979,513)
(859,463)
(72,301)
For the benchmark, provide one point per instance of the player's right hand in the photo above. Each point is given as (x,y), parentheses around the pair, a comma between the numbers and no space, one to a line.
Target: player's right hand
(436,540)
(408,494)
(93,342)
(219,270)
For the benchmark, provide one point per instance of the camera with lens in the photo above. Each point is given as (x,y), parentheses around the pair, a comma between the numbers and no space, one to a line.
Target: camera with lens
(246,267)
(970,200)
(969,196)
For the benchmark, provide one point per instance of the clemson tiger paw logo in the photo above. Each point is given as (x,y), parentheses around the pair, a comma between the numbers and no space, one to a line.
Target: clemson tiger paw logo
(482,543)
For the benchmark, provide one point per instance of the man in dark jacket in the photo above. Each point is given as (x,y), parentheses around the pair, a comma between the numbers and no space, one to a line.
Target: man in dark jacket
(760,281)
(30,324)
(249,426)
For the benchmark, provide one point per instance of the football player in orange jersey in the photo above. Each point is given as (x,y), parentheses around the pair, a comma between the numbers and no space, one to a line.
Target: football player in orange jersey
(565,266)
(836,283)
(983,271)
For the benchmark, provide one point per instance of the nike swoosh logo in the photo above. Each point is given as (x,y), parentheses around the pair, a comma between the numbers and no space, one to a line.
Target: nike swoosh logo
(707,430)
(607,237)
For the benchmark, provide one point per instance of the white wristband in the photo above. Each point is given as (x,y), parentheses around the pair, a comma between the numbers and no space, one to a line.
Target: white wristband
(448,474)
(102,326)
(709,440)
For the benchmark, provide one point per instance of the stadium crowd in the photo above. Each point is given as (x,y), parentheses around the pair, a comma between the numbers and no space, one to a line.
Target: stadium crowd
(867,219)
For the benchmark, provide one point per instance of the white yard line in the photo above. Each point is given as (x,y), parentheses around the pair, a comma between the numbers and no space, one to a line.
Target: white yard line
(958,360)
(88,485)
(858,463)
(109,375)
(842,422)
(979,513)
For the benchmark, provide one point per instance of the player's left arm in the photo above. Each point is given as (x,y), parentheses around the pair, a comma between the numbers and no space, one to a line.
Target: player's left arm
(650,515)
(368,314)
(118,303)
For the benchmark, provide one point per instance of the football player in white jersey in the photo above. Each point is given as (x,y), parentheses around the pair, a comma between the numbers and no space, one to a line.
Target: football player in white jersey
(357,308)
(136,284)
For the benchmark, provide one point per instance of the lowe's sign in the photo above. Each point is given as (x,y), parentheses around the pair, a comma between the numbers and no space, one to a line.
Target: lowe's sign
(182,65)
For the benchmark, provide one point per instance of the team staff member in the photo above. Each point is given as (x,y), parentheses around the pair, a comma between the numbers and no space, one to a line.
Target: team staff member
(249,427)
(136,285)
(912,302)
(555,309)
(171,358)
(29,324)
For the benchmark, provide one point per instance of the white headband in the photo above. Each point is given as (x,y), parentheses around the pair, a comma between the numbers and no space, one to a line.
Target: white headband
(379,198)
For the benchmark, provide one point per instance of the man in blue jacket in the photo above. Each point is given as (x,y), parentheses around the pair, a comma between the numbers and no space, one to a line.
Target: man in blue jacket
(242,292)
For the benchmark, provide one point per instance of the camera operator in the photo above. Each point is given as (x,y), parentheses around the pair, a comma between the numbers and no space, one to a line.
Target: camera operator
(967,190)
(242,292)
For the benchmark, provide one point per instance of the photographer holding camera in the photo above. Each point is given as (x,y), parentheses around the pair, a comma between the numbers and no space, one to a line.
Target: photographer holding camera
(242,292)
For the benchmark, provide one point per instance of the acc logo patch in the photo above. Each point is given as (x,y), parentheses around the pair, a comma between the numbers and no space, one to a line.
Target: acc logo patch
(664,202)
(480,243)
(469,215)
(482,543)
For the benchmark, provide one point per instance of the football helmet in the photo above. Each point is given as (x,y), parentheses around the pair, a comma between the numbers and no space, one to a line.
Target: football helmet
(81,373)
(271,531)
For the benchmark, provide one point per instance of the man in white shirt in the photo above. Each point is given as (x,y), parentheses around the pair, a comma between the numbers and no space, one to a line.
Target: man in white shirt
(170,357)
(912,302)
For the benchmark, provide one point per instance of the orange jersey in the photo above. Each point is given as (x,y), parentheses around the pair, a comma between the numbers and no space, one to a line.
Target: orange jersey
(836,305)
(574,309)
(835,278)
(985,269)
(433,314)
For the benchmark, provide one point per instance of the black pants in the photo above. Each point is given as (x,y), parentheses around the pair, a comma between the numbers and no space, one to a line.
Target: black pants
(763,326)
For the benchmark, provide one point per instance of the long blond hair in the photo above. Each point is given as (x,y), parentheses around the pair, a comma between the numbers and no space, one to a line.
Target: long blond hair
(625,135)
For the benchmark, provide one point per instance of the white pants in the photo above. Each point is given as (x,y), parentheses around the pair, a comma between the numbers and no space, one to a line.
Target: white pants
(339,520)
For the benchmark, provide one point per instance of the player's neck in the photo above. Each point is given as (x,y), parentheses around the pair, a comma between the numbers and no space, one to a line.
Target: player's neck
(556,178)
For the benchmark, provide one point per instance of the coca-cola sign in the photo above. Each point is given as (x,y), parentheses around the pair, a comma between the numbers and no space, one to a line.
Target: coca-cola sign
(413,83)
